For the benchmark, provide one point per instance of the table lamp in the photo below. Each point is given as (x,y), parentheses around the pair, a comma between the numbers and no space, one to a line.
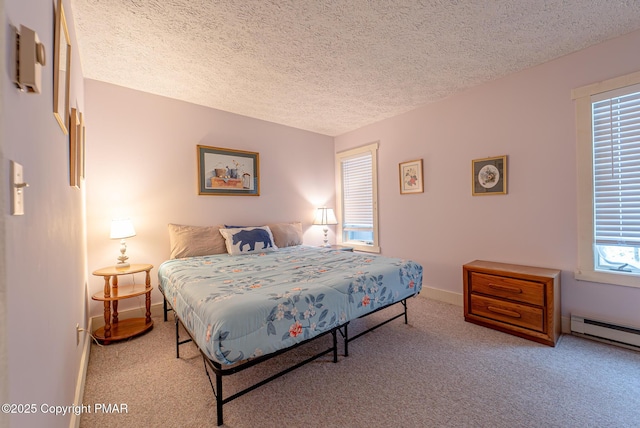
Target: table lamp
(122,229)
(324,217)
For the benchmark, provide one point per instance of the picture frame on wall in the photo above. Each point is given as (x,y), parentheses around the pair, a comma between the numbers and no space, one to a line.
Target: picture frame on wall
(411,177)
(81,146)
(228,172)
(489,176)
(61,69)
(75,131)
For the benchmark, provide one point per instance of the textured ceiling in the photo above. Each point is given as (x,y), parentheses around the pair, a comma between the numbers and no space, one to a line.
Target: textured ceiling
(331,66)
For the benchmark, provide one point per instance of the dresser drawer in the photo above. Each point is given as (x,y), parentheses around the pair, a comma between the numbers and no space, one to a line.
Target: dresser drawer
(519,290)
(528,317)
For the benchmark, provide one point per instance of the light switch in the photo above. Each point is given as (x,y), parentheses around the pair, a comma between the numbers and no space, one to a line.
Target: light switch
(17,189)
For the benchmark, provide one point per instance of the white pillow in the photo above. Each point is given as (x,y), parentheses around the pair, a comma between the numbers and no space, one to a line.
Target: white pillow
(248,240)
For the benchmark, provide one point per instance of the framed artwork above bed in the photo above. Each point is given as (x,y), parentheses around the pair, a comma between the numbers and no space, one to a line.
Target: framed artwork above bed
(228,172)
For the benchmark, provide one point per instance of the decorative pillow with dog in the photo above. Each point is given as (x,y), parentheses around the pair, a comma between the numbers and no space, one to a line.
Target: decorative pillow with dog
(248,240)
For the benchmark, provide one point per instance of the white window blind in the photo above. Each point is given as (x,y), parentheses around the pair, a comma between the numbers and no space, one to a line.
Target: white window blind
(357,197)
(357,173)
(616,167)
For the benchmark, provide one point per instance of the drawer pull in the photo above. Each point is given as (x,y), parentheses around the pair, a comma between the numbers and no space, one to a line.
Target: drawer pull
(515,290)
(506,312)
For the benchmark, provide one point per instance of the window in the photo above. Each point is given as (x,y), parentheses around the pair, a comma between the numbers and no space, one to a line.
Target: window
(608,120)
(357,201)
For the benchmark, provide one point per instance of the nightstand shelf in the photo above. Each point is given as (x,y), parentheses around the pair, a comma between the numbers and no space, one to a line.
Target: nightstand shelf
(113,328)
(123,330)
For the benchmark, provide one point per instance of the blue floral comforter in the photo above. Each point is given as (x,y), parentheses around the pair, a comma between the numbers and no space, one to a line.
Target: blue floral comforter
(240,307)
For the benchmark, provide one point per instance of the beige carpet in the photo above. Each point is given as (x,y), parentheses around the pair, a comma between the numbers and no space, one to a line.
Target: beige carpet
(438,371)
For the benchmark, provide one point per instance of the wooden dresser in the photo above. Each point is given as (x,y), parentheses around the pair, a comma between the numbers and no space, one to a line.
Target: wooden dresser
(520,300)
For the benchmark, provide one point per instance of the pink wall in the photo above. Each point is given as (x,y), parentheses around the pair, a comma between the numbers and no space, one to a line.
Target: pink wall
(44,250)
(528,116)
(141,162)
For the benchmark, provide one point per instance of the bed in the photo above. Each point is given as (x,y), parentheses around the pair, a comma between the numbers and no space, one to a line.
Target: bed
(243,308)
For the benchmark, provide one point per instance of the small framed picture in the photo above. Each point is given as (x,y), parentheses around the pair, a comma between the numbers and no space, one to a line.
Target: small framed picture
(228,172)
(61,69)
(411,178)
(74,148)
(82,147)
(489,176)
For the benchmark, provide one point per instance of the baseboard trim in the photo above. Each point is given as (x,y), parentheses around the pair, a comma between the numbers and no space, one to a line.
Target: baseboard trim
(82,375)
(442,295)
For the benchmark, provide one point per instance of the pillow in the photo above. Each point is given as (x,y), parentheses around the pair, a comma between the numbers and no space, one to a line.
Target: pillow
(286,234)
(191,241)
(248,240)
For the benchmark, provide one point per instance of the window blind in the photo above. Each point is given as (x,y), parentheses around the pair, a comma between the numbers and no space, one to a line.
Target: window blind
(357,193)
(616,167)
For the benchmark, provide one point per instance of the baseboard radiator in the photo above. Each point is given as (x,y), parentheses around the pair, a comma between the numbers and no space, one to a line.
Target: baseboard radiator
(628,337)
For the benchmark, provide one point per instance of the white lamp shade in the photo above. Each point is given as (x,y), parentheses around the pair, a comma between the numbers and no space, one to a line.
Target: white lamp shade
(122,228)
(325,216)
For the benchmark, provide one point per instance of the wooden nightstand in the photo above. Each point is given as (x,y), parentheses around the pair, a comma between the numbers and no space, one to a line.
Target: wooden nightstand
(520,300)
(113,328)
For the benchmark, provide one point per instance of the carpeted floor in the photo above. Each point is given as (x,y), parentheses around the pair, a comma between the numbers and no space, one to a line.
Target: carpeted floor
(437,371)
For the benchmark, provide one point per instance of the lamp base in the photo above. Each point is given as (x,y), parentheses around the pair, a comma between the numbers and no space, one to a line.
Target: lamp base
(326,238)
(122,259)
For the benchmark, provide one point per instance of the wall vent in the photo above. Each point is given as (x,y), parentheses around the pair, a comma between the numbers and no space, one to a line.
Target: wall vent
(628,337)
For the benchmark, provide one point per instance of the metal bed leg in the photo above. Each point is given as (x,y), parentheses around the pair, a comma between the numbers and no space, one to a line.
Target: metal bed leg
(178,342)
(164,307)
(217,389)
(219,401)
(335,345)
(346,340)
(177,339)
(406,318)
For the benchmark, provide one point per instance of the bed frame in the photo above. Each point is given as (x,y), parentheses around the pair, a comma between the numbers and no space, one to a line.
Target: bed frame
(220,372)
